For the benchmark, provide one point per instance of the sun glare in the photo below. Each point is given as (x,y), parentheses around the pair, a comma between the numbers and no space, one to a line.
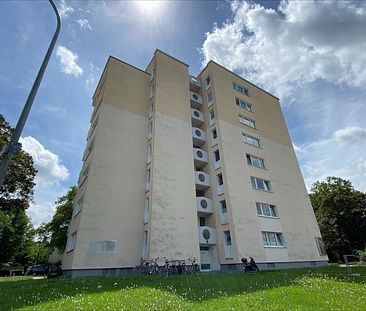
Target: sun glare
(149,7)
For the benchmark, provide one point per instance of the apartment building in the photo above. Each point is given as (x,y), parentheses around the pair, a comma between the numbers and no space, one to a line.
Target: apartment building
(178,166)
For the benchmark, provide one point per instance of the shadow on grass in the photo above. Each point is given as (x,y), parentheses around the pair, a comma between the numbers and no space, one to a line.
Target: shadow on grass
(194,288)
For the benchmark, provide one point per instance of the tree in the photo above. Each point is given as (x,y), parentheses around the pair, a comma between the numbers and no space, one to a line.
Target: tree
(341,214)
(57,227)
(15,197)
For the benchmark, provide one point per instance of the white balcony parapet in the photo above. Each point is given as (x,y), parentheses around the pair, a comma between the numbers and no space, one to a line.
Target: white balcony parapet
(204,206)
(202,180)
(196,100)
(199,136)
(220,189)
(197,117)
(200,157)
(207,235)
(194,81)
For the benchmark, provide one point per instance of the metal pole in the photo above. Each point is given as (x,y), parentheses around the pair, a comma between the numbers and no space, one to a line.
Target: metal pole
(14,146)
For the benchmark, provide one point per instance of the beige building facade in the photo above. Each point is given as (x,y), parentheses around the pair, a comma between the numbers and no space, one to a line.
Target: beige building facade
(180,167)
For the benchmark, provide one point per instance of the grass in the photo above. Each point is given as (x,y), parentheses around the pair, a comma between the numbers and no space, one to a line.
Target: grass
(304,289)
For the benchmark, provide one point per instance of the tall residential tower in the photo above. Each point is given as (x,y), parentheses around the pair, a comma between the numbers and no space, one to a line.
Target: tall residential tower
(178,166)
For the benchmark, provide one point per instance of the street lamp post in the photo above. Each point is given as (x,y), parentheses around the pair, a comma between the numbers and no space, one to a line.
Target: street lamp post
(14,146)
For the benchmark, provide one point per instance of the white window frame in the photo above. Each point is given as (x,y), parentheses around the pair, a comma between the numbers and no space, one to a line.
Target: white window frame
(144,244)
(152,90)
(220,187)
(256,182)
(209,101)
(248,122)
(148,179)
(78,205)
(223,212)
(71,242)
(151,109)
(273,239)
(240,89)
(146,210)
(251,140)
(228,244)
(208,85)
(153,74)
(149,153)
(266,210)
(150,129)
(211,116)
(213,139)
(243,104)
(256,161)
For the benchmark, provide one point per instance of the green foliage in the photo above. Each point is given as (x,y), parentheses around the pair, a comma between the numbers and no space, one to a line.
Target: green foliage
(362,254)
(15,196)
(318,289)
(341,214)
(56,229)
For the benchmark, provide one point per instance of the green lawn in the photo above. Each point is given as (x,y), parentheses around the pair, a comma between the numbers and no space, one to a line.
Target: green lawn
(318,289)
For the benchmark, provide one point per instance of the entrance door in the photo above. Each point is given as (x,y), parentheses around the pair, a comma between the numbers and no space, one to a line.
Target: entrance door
(205,255)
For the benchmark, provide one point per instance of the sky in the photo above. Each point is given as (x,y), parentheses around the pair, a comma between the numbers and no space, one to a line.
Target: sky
(309,54)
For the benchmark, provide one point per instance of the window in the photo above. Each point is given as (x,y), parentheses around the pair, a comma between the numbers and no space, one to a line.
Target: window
(240,89)
(149,153)
(250,140)
(153,74)
(209,97)
(261,184)
(98,247)
(217,155)
(148,177)
(220,180)
(228,244)
(89,149)
(202,221)
(223,207)
(255,161)
(78,205)
(208,82)
(214,134)
(150,129)
(267,210)
(71,242)
(227,237)
(321,246)
(152,90)
(243,104)
(146,211)
(84,175)
(151,109)
(247,122)
(212,116)
(273,239)
(144,245)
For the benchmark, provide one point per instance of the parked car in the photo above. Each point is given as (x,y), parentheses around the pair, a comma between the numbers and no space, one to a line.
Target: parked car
(41,269)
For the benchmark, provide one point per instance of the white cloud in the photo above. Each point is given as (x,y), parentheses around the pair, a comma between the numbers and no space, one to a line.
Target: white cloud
(351,134)
(342,155)
(68,61)
(94,72)
(299,43)
(51,174)
(49,166)
(65,9)
(84,23)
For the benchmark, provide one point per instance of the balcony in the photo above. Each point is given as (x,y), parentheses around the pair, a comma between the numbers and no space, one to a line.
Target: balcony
(195,82)
(199,136)
(207,236)
(196,100)
(202,180)
(200,157)
(197,118)
(204,206)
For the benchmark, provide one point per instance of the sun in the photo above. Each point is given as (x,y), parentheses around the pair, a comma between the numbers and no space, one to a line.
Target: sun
(149,7)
